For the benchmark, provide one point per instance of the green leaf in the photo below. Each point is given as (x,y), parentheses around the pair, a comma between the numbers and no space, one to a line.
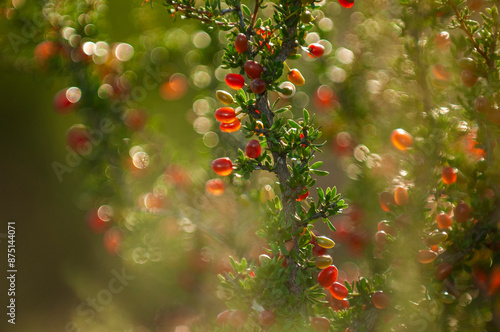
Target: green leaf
(246,10)
(305,113)
(319,173)
(330,225)
(316,165)
(293,124)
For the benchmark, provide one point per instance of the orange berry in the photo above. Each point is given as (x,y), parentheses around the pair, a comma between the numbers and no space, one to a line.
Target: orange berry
(401,139)
(449,175)
(401,196)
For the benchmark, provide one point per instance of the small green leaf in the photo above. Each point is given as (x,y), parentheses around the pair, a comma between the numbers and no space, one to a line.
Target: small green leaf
(316,165)
(319,172)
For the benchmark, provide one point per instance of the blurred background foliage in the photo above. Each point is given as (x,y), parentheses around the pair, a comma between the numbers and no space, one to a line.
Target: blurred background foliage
(177,239)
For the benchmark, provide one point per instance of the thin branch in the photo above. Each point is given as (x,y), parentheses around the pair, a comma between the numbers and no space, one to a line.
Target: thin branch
(461,20)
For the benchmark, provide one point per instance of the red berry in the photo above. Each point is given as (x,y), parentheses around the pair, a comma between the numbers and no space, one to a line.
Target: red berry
(386,200)
(237,318)
(384,226)
(468,78)
(328,276)
(443,271)
(135,119)
(320,324)
(338,291)
(380,300)
(337,304)
(225,114)
(401,196)
(44,51)
(443,40)
(258,86)
(302,196)
(380,239)
(235,81)
(112,240)
(253,149)
(483,105)
(222,166)
(346,3)
(449,175)
(241,43)
(318,251)
(426,256)
(65,100)
(223,317)
(253,69)
(315,50)
(96,224)
(230,127)
(77,138)
(266,318)
(443,220)
(401,139)
(462,212)
(215,187)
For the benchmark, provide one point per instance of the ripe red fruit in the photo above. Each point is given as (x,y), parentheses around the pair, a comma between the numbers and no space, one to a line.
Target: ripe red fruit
(241,43)
(302,196)
(462,212)
(483,105)
(401,139)
(96,224)
(230,127)
(65,100)
(328,276)
(346,3)
(443,271)
(426,256)
(468,78)
(112,240)
(384,226)
(443,40)
(320,324)
(215,187)
(77,138)
(318,251)
(222,166)
(380,300)
(266,318)
(237,318)
(443,220)
(315,50)
(235,81)
(253,69)
(449,175)
(225,114)
(135,119)
(401,196)
(337,304)
(258,86)
(380,239)
(253,149)
(44,51)
(338,291)
(223,317)
(386,200)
